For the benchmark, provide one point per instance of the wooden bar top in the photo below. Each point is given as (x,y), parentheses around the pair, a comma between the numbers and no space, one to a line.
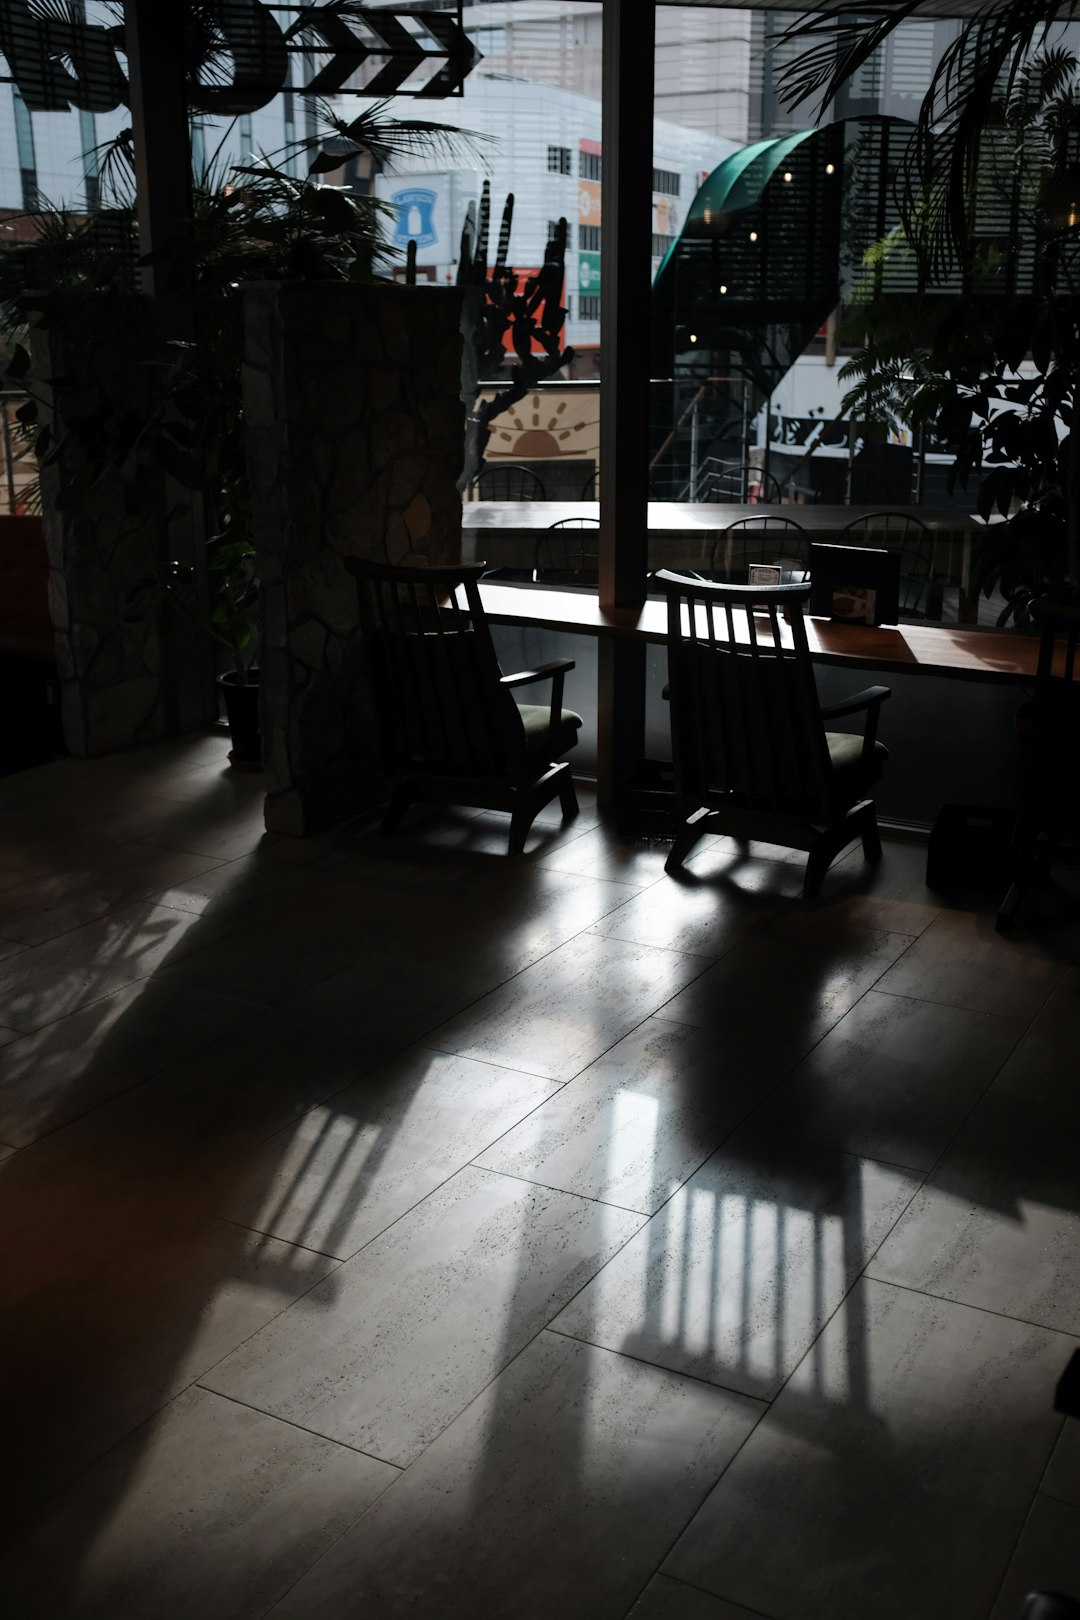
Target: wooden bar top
(908,648)
(697,517)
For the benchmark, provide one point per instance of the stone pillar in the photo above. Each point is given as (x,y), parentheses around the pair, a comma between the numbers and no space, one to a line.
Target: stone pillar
(103,533)
(355,443)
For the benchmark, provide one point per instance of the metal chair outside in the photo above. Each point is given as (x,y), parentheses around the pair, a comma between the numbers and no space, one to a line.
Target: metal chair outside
(911,537)
(564,557)
(509,483)
(766,539)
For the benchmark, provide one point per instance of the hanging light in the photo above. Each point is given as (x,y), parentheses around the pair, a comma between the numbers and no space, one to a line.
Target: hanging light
(723,287)
(693,337)
(830,168)
(753,236)
(1060,198)
(788,175)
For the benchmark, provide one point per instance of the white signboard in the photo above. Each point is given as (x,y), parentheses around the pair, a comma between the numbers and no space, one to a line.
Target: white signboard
(424,204)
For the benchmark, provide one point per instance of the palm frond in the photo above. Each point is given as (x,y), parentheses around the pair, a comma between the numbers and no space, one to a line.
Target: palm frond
(833,44)
(385,139)
(988,77)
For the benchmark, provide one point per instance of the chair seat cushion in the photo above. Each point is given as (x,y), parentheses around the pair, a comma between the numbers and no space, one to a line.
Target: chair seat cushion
(851,777)
(535,717)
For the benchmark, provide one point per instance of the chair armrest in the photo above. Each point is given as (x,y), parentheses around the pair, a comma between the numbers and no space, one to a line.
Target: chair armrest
(543,672)
(858,700)
(871,700)
(555,672)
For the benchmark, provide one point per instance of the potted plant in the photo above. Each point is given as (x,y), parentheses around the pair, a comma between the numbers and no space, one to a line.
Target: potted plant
(252,223)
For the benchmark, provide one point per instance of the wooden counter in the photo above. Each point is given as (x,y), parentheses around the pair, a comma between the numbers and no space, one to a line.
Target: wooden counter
(909,648)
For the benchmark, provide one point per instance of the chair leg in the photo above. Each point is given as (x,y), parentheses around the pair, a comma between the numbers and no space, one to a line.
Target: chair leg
(693,829)
(568,796)
(1006,916)
(400,800)
(520,822)
(818,862)
(871,837)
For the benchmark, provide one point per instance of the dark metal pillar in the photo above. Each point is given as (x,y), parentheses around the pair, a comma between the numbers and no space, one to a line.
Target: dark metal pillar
(159,120)
(625,309)
(154,40)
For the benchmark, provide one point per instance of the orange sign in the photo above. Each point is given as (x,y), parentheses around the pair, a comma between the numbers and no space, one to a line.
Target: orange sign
(523,274)
(588,202)
(665,216)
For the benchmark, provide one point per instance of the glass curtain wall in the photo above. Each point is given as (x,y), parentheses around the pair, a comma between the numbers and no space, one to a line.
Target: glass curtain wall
(782,267)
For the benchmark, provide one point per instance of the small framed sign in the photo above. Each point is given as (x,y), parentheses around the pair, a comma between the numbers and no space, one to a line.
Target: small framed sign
(854,584)
(765,574)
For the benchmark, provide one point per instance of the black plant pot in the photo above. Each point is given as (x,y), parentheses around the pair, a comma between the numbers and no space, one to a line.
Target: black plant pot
(242,713)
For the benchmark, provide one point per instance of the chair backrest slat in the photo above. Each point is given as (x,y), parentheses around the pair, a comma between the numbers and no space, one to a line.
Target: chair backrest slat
(746,724)
(437,679)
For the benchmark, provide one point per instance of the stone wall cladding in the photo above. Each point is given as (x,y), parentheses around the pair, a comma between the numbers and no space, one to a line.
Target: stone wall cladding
(109,647)
(355,443)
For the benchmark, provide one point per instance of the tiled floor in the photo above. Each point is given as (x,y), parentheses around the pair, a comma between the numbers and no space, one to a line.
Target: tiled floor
(391,1229)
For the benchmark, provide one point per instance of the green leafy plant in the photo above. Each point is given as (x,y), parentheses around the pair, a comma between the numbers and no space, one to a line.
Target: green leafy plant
(253,222)
(986,354)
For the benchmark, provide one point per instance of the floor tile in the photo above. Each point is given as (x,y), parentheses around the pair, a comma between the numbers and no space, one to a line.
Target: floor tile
(174,757)
(487,832)
(354,1164)
(636,1123)
(1062,1478)
(1044,1063)
(998,1223)
(880,911)
(774,998)
(894,1078)
(209,1510)
(61,1071)
(202,1113)
(899,875)
(65,974)
(600,853)
(763,874)
(734,1278)
(320,1117)
(665,1599)
(108,1318)
(556,1493)
(211,785)
(893,1472)
(201,829)
(405,1334)
(234,887)
(559,1015)
(512,919)
(171,1136)
(684,914)
(1047,1558)
(268,959)
(43,909)
(962,961)
(408,866)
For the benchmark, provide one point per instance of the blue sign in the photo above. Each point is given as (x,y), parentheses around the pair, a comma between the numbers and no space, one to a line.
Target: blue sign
(415,217)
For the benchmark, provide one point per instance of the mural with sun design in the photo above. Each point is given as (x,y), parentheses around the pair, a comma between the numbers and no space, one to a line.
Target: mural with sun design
(550,422)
